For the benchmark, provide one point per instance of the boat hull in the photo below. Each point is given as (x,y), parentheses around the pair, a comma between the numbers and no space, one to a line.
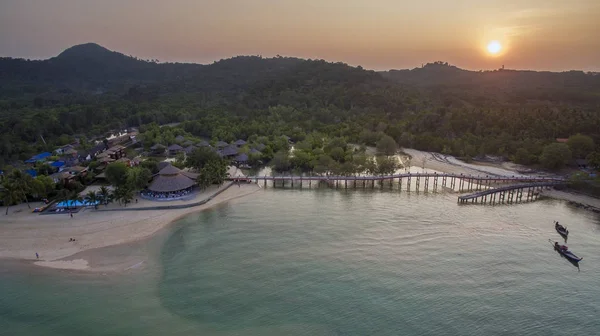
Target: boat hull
(568,254)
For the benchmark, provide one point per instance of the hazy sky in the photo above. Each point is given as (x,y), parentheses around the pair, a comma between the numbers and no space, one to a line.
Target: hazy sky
(377,34)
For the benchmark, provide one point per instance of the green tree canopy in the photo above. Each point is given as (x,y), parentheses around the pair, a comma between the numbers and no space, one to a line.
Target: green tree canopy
(200,156)
(555,156)
(138,177)
(281,161)
(116,174)
(580,145)
(594,160)
(387,145)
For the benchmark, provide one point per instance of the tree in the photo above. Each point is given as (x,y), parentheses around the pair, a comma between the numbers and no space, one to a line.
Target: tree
(387,165)
(138,177)
(337,153)
(151,165)
(555,156)
(180,160)
(281,161)
(10,195)
(22,182)
(105,195)
(75,198)
(523,157)
(200,156)
(580,145)
(370,166)
(213,172)
(92,198)
(123,194)
(116,174)
(593,160)
(387,145)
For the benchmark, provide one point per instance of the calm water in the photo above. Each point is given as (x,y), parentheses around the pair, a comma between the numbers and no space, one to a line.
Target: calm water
(326,262)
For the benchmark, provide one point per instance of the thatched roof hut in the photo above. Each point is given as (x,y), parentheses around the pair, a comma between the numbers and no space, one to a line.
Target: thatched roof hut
(239,142)
(171,179)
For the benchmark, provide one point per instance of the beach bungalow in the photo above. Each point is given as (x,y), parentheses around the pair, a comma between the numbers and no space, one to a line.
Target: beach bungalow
(260,147)
(241,159)
(189,149)
(60,177)
(174,149)
(179,138)
(187,143)
(203,143)
(229,151)
(239,143)
(221,144)
(255,151)
(62,150)
(158,149)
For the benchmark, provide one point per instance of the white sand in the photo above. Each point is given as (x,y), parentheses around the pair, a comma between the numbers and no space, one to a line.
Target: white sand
(77,264)
(449,164)
(23,233)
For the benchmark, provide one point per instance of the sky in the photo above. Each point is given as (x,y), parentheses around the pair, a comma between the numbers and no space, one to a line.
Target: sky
(554,35)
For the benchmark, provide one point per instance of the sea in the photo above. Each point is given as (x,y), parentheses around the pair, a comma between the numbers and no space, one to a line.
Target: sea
(332,262)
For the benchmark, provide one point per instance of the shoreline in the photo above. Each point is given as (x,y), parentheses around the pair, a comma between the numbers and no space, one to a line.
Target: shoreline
(115,241)
(24,234)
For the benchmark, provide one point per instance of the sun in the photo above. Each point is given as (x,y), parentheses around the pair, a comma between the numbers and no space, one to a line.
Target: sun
(494,47)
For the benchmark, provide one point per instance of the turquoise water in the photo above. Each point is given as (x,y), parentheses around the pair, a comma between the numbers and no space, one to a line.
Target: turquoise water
(326,262)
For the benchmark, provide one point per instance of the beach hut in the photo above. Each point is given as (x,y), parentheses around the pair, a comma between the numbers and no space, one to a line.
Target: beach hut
(221,144)
(229,151)
(203,143)
(189,149)
(158,149)
(174,149)
(239,143)
(187,143)
(179,138)
(242,158)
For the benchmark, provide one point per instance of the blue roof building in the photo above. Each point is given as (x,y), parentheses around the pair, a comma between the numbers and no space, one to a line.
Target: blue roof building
(39,157)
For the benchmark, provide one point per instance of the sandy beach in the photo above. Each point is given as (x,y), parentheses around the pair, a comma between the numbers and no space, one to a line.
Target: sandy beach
(23,233)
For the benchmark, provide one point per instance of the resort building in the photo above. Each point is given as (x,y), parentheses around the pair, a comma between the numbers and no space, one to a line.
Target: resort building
(171,183)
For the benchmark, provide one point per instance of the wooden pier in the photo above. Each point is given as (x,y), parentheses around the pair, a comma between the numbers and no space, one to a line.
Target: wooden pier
(409,182)
(509,194)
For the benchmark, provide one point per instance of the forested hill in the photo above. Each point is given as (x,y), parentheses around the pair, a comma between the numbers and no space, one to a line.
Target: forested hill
(515,85)
(88,90)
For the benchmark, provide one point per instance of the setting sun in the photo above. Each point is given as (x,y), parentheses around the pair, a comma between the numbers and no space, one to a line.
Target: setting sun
(494,47)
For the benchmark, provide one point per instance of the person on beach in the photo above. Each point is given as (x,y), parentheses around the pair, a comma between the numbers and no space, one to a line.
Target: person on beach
(37,256)
(71,215)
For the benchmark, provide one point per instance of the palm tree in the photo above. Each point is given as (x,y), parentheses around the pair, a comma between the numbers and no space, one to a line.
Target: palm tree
(10,195)
(92,198)
(75,198)
(105,195)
